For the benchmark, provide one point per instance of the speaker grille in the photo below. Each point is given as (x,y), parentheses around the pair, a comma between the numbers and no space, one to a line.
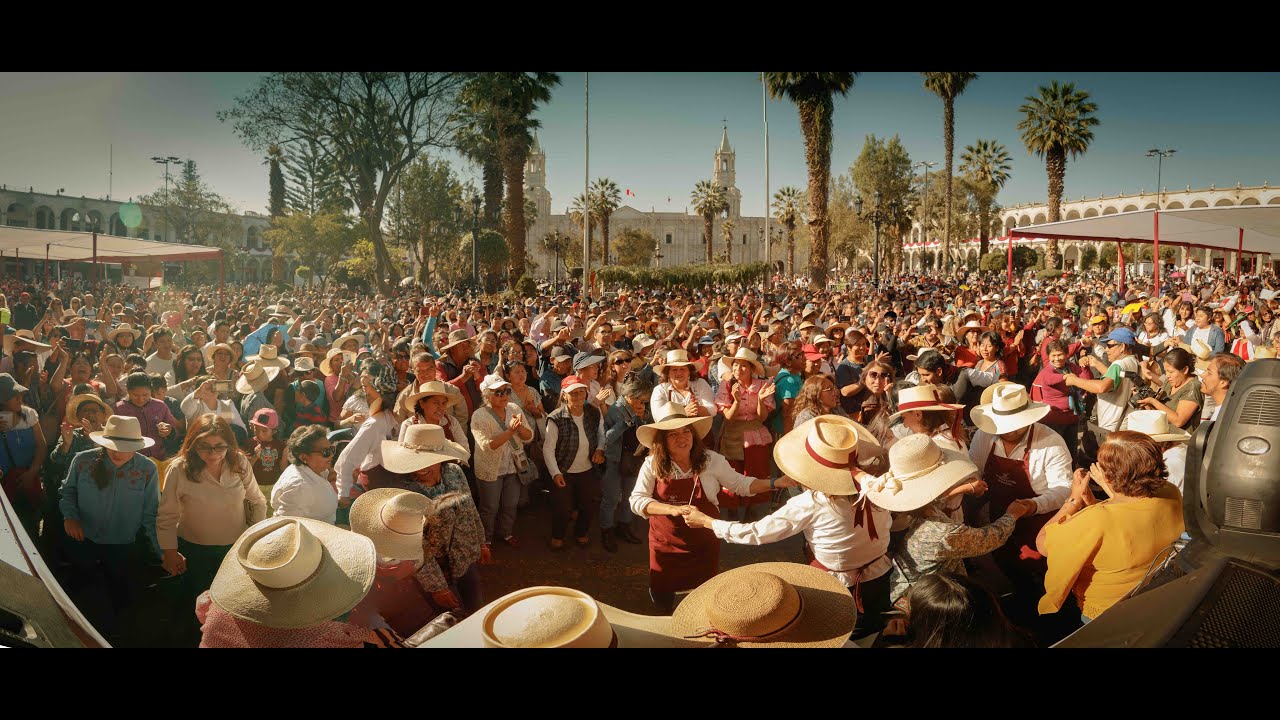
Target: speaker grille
(1244,513)
(1244,615)
(1261,407)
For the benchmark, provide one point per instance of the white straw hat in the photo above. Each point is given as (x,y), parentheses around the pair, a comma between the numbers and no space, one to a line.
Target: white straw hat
(919,472)
(822,453)
(255,378)
(921,397)
(421,446)
(1010,409)
(1154,423)
(675,358)
(673,417)
(748,356)
(268,356)
(392,518)
(122,434)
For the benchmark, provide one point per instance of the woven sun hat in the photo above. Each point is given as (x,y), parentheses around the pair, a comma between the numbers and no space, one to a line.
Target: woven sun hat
(304,365)
(673,417)
(307,348)
(124,328)
(971,325)
(972,317)
(585,360)
(1154,423)
(556,617)
(748,356)
(921,397)
(392,518)
(255,378)
(292,572)
(990,391)
(776,604)
(1263,353)
(919,472)
(122,434)
(348,358)
(675,358)
(339,342)
(1203,354)
(421,446)
(73,406)
(822,453)
(268,356)
(1010,409)
(430,389)
(641,342)
(27,337)
(819,339)
(456,337)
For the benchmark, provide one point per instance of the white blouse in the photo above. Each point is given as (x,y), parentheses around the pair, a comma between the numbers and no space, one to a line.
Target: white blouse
(828,526)
(698,390)
(717,473)
(300,492)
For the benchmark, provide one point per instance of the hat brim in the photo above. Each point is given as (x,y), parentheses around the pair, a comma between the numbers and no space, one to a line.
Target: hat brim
(826,620)
(662,369)
(353,336)
(646,433)
(754,363)
(918,492)
(935,406)
(993,424)
(136,332)
(121,445)
(365,520)
(73,405)
(348,564)
(209,352)
(399,459)
(276,362)
(327,368)
(588,362)
(412,400)
(245,386)
(11,340)
(795,462)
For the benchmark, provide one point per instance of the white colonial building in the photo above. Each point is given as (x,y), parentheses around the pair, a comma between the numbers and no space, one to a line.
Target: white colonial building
(920,251)
(31,209)
(679,234)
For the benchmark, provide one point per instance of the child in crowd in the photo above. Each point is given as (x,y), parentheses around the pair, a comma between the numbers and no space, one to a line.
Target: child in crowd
(267,452)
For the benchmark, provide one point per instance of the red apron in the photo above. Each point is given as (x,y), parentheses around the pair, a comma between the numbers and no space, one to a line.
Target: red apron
(1009,480)
(681,557)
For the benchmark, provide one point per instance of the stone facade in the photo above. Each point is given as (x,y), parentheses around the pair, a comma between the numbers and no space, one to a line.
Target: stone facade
(679,234)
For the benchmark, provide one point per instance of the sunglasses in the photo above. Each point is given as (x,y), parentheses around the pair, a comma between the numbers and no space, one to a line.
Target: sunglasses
(205,448)
(874,375)
(503,392)
(326,452)
(622,361)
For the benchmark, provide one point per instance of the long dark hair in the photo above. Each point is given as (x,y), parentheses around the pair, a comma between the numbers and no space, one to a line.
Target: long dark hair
(662,461)
(955,611)
(180,365)
(101,471)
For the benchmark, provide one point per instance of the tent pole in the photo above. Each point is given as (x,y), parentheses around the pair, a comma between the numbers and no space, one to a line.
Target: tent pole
(1009,276)
(17,255)
(96,277)
(1155,255)
(222,275)
(1120,257)
(46,266)
(1239,255)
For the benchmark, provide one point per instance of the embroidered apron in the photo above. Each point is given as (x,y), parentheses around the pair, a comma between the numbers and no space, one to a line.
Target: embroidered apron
(681,557)
(1009,480)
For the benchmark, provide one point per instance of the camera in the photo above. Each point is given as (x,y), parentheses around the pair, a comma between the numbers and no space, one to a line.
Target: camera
(1143,391)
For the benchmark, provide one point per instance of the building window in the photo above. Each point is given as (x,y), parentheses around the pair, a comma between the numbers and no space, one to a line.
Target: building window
(668,238)
(744,238)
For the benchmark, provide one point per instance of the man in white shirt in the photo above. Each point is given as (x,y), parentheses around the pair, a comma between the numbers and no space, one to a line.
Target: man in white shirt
(1113,388)
(161,361)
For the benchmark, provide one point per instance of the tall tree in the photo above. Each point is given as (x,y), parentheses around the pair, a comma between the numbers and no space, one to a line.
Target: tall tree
(320,241)
(581,205)
(1057,122)
(512,98)
(477,141)
(986,163)
(884,166)
(371,124)
(787,202)
(635,247)
(708,201)
(422,213)
(198,214)
(276,204)
(314,184)
(607,197)
(948,85)
(726,231)
(812,93)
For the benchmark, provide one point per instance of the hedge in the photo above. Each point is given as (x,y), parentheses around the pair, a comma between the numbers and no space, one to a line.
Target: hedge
(689,275)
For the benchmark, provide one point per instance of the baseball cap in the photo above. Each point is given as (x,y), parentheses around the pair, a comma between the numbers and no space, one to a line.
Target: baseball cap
(570,383)
(811,353)
(266,418)
(1097,319)
(492,381)
(1123,336)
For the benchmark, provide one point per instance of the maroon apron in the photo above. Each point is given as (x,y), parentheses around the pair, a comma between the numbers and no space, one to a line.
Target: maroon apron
(1009,480)
(681,557)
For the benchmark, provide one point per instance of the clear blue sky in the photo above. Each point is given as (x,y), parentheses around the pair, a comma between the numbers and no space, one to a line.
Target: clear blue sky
(655,133)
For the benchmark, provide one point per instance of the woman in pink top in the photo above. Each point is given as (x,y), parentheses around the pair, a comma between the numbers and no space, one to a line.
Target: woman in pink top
(745,400)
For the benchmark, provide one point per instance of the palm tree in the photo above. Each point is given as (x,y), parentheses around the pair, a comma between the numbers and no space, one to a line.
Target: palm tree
(477,141)
(576,211)
(607,198)
(812,94)
(726,230)
(947,85)
(708,201)
(1058,121)
(986,162)
(787,209)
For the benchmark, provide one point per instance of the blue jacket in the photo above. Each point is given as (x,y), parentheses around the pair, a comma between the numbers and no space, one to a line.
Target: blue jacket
(1217,341)
(617,421)
(550,387)
(113,516)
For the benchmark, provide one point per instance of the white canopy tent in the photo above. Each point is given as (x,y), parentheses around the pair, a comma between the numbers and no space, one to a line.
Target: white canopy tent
(1245,229)
(63,246)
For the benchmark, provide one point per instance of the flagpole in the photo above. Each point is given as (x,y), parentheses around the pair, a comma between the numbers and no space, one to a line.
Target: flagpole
(764,104)
(586,192)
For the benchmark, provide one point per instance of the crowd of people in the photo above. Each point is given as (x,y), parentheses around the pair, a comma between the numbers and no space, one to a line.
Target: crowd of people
(977,464)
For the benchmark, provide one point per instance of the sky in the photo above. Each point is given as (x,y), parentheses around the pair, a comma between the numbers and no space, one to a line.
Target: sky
(656,133)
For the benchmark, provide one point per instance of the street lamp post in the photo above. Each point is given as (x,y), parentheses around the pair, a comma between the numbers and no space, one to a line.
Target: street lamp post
(924,212)
(1159,155)
(165,161)
(877,216)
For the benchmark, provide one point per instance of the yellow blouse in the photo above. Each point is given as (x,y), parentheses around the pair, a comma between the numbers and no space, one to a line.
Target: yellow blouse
(1104,550)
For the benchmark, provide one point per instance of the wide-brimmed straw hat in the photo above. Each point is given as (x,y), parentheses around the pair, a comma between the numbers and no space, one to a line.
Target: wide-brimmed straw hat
(822,453)
(990,391)
(1154,423)
(675,358)
(1202,353)
(73,405)
(673,417)
(304,365)
(557,617)
(326,367)
(1263,353)
(748,356)
(777,604)
(210,350)
(1010,409)
(421,446)
(349,336)
(124,328)
(456,337)
(431,389)
(919,472)
(255,378)
(971,325)
(27,337)
(292,572)
(122,434)
(921,397)
(392,518)
(269,356)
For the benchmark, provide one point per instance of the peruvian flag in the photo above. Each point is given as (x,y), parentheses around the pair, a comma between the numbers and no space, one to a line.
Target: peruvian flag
(630,193)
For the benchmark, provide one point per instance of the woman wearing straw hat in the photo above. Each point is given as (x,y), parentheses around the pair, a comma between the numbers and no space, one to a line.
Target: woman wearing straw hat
(1098,551)
(109,495)
(252,385)
(431,404)
(681,387)
(291,582)
(843,538)
(745,400)
(931,410)
(678,473)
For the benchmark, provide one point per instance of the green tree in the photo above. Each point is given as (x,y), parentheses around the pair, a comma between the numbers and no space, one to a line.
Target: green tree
(787,208)
(635,247)
(1088,257)
(948,85)
(708,201)
(998,260)
(276,204)
(580,206)
(477,140)
(371,124)
(1058,122)
(849,237)
(573,254)
(884,166)
(494,255)
(314,184)
(197,214)
(362,265)
(812,93)
(607,198)
(986,163)
(556,244)
(422,213)
(320,241)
